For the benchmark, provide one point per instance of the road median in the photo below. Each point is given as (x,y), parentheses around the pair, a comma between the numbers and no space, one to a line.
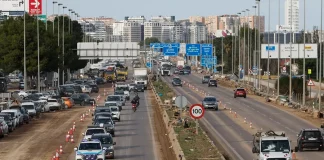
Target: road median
(185,142)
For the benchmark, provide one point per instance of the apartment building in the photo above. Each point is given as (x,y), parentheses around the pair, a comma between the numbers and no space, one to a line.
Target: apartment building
(153,29)
(198,32)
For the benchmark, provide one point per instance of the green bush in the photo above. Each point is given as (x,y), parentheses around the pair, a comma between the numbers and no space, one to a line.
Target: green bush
(297,85)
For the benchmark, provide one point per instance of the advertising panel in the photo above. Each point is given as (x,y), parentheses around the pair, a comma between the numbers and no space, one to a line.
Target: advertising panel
(35,7)
(13,5)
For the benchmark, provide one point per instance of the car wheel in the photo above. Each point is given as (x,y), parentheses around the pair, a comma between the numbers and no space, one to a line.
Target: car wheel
(82,103)
(2,136)
(300,148)
(234,96)
(244,96)
(216,109)
(216,85)
(119,119)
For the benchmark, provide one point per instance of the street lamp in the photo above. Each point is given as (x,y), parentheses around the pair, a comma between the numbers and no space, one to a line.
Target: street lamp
(248,36)
(320,59)
(70,10)
(46,16)
(25,68)
(255,48)
(63,48)
(73,13)
(304,67)
(243,64)
(239,45)
(38,66)
(58,41)
(259,45)
(278,69)
(54,2)
(268,62)
(290,60)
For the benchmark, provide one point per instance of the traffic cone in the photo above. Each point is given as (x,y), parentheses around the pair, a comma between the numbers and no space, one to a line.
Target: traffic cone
(93,108)
(86,113)
(93,104)
(54,157)
(73,123)
(57,155)
(67,137)
(89,111)
(244,120)
(83,116)
(251,125)
(294,156)
(81,119)
(71,131)
(230,110)
(73,127)
(72,139)
(235,115)
(61,149)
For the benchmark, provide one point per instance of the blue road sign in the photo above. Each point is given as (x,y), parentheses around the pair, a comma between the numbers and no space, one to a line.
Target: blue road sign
(206,49)
(208,61)
(270,48)
(148,64)
(193,49)
(162,45)
(170,50)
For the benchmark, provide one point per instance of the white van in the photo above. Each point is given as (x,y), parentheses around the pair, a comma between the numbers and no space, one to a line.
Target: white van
(17,116)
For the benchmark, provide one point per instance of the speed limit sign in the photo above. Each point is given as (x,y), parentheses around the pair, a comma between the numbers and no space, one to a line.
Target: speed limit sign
(197,111)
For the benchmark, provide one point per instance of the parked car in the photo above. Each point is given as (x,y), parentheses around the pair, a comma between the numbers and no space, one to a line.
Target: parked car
(239,92)
(83,99)
(21,85)
(210,102)
(106,142)
(77,88)
(94,88)
(9,120)
(86,89)
(22,94)
(66,90)
(17,116)
(100,80)
(30,107)
(52,105)
(4,127)
(23,111)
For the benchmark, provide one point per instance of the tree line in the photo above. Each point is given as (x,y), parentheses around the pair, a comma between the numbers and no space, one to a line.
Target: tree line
(51,55)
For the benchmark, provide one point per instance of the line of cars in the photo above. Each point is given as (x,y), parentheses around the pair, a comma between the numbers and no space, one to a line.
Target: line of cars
(98,143)
(22,106)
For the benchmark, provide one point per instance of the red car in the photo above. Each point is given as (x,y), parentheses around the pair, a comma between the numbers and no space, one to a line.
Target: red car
(239,92)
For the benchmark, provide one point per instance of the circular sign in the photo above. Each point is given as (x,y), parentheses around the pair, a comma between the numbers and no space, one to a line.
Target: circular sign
(197,111)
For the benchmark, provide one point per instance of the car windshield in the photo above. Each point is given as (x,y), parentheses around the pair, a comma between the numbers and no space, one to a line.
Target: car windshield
(11,113)
(29,106)
(275,146)
(212,80)
(113,98)
(119,93)
(113,109)
(312,134)
(90,146)
(104,121)
(210,99)
(240,89)
(176,79)
(206,77)
(6,118)
(104,139)
(110,104)
(122,88)
(69,88)
(94,131)
(132,84)
(139,86)
(51,100)
(102,110)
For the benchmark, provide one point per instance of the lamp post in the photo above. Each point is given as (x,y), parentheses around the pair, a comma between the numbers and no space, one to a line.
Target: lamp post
(259,45)
(63,48)
(278,67)
(244,47)
(38,66)
(320,59)
(58,42)
(25,68)
(239,46)
(54,2)
(304,67)
(248,45)
(290,62)
(268,61)
(70,10)
(255,48)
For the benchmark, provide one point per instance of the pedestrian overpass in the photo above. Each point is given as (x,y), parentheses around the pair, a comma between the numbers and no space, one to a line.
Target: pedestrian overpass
(108,50)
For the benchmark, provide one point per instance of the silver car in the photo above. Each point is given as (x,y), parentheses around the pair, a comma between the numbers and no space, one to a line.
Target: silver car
(210,102)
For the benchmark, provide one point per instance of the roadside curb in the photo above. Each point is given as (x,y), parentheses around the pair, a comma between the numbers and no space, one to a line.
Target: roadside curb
(171,133)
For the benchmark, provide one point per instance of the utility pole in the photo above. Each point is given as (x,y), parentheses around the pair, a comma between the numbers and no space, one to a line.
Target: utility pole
(278,69)
(259,45)
(255,49)
(290,60)
(304,67)
(268,63)
(63,48)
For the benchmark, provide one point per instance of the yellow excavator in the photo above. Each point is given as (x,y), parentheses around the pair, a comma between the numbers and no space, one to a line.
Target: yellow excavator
(121,72)
(110,75)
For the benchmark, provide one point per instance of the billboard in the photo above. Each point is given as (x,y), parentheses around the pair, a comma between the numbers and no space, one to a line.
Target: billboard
(35,7)
(297,51)
(13,5)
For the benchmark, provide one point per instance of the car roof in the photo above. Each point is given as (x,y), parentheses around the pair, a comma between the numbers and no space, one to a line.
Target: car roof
(102,135)
(27,103)
(9,110)
(210,97)
(110,102)
(51,99)
(311,129)
(274,137)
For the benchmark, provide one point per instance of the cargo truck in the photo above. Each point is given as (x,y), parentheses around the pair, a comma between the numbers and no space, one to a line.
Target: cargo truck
(140,76)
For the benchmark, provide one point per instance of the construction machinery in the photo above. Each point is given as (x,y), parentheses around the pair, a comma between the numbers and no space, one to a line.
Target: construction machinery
(122,72)
(271,145)
(110,74)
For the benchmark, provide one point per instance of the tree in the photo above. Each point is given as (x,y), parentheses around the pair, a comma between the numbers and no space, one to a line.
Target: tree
(149,40)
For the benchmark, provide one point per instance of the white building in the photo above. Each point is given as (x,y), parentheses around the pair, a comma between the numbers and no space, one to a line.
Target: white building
(153,29)
(198,32)
(118,28)
(140,19)
(292,13)
(171,32)
(163,19)
(132,32)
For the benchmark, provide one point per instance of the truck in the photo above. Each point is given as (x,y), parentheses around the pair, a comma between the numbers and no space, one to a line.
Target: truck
(180,63)
(271,145)
(110,75)
(140,76)
(123,71)
(165,69)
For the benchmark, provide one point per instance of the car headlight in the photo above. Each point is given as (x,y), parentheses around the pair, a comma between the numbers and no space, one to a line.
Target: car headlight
(111,147)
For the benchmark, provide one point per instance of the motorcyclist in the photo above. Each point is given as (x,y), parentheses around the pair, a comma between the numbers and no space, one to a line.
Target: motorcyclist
(135,100)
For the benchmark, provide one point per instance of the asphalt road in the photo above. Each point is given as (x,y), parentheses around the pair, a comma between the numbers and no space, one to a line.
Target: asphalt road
(235,138)
(134,133)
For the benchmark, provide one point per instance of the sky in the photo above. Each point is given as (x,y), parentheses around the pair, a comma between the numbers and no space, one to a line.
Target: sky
(182,9)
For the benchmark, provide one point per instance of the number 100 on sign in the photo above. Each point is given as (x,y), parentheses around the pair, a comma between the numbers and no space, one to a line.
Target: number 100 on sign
(197,111)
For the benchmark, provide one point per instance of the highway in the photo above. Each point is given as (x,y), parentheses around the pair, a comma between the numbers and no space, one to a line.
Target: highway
(237,139)
(134,133)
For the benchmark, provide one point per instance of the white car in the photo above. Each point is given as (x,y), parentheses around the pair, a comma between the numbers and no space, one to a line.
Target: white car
(90,149)
(131,86)
(43,96)
(115,113)
(30,107)
(90,131)
(21,94)
(86,89)
(15,115)
(52,104)
(42,103)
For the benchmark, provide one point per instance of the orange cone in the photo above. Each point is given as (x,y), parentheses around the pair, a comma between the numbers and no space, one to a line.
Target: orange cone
(61,149)
(86,113)
(57,155)
(73,127)
(72,139)
(235,115)
(83,116)
(81,119)
(54,158)
(73,123)
(250,124)
(293,155)
(67,137)
(71,131)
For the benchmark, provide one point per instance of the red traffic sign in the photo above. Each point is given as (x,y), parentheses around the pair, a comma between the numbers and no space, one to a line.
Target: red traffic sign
(310,83)
(35,7)
(197,111)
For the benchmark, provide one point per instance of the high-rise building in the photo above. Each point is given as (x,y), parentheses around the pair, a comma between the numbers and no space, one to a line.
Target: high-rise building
(132,32)
(200,19)
(140,19)
(292,14)
(153,29)
(171,32)
(198,32)
(212,23)
(163,19)
(118,28)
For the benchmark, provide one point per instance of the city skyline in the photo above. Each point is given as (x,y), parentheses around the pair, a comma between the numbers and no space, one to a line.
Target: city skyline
(93,10)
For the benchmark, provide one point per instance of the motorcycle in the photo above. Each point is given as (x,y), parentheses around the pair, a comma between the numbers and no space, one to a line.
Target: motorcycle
(134,107)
